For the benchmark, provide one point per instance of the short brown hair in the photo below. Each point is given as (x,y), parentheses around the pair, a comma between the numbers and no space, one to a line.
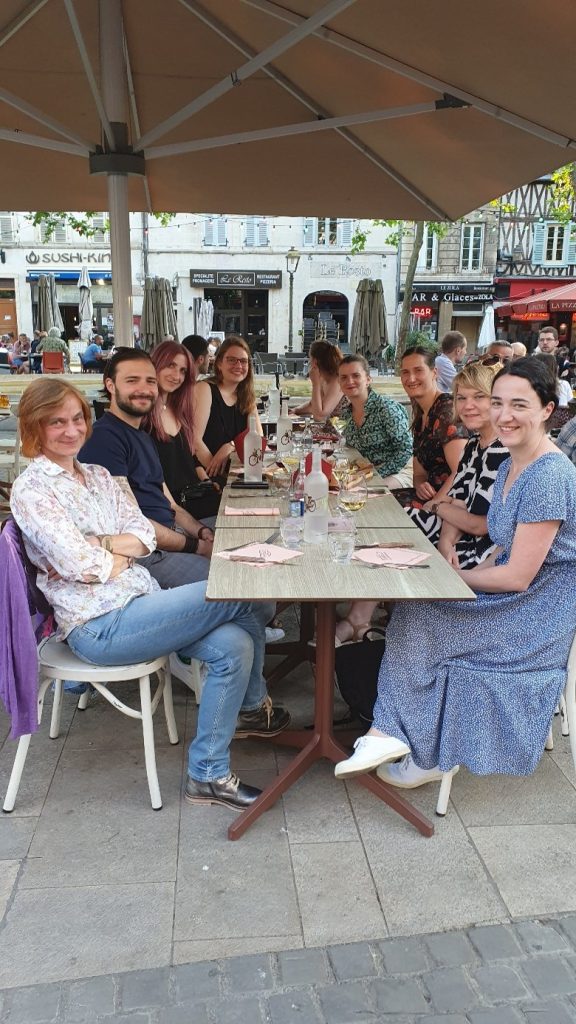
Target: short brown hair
(38,402)
(453,341)
(327,356)
(549,330)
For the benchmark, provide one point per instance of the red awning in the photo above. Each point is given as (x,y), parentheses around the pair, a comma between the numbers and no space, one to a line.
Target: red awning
(562,299)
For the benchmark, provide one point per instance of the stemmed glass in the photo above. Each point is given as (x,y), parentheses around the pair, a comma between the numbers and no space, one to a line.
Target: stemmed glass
(353,493)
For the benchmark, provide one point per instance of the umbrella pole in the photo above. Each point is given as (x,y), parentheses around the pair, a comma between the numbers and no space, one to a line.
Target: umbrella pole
(117,185)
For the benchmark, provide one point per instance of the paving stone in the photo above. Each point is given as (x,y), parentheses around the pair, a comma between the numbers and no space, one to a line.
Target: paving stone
(444,1018)
(451,949)
(348,1002)
(494,942)
(241,1011)
(404,956)
(292,1008)
(537,937)
(551,1012)
(249,973)
(351,961)
(197,1014)
(303,966)
(196,981)
(450,989)
(90,998)
(501,1015)
(499,982)
(144,989)
(400,995)
(128,1018)
(37,1003)
(549,976)
(568,926)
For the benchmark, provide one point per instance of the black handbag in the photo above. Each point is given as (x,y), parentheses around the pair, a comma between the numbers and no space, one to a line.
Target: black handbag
(357,667)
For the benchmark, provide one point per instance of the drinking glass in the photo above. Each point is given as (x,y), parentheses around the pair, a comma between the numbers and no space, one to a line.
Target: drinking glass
(281,481)
(341,546)
(340,468)
(292,531)
(353,494)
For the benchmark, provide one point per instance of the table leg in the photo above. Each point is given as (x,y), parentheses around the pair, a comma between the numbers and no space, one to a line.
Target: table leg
(321,742)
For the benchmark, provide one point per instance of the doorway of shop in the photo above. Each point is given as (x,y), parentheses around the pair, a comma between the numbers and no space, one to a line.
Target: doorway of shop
(242,311)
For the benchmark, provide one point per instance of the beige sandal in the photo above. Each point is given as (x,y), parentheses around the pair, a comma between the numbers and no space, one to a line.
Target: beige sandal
(358,631)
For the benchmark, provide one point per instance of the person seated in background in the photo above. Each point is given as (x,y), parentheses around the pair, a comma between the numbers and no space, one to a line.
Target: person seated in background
(453,346)
(36,360)
(183,545)
(197,346)
(498,352)
(21,354)
(327,399)
(475,683)
(562,413)
(519,351)
(52,342)
(83,535)
(171,426)
(94,355)
(566,440)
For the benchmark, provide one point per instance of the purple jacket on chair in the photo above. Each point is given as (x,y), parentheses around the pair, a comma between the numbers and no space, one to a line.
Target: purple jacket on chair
(20,600)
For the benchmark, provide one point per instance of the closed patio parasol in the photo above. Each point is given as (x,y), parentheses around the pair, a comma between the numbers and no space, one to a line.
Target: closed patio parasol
(48,309)
(85,307)
(368,334)
(158,318)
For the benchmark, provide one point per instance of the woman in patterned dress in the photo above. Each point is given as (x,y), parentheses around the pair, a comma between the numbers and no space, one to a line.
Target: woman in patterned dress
(476,683)
(457,524)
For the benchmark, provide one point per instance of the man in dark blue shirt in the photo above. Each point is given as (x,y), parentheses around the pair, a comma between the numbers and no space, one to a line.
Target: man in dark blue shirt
(129,454)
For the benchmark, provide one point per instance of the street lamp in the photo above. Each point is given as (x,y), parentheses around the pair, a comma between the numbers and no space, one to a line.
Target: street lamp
(292,261)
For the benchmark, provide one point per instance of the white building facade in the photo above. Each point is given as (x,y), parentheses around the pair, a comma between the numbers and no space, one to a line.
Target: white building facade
(239,262)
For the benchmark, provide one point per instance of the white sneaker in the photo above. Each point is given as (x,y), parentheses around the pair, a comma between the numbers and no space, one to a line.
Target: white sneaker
(369,752)
(274,634)
(406,775)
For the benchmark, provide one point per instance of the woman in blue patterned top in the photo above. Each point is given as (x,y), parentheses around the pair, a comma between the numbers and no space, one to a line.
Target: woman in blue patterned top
(475,683)
(376,426)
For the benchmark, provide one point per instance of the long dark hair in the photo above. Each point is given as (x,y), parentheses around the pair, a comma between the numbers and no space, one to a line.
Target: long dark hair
(245,395)
(180,402)
(536,373)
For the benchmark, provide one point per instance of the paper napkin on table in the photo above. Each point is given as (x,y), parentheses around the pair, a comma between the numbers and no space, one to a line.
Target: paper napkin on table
(265,554)
(390,556)
(232,511)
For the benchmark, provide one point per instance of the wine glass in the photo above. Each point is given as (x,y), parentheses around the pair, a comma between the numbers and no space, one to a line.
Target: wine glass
(340,468)
(353,493)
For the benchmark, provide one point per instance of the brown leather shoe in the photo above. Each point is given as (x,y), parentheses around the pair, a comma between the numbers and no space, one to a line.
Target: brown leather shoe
(267,720)
(230,792)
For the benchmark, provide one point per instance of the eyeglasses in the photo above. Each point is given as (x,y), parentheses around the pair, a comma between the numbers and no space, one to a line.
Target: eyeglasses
(235,361)
(493,360)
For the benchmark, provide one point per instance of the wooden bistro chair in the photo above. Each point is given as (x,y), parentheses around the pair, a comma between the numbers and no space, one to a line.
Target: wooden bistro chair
(567,709)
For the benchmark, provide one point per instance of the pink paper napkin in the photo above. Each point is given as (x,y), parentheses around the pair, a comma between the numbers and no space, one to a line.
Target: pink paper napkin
(390,556)
(272,554)
(230,511)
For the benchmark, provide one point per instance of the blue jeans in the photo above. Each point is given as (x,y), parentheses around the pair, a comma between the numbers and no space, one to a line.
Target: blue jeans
(227,636)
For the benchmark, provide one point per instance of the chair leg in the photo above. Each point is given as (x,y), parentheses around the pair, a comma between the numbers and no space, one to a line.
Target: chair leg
(83,700)
(565,728)
(56,709)
(149,751)
(169,705)
(444,794)
(16,774)
(549,745)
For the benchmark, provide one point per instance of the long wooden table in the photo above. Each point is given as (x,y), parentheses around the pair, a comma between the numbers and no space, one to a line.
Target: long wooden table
(317,581)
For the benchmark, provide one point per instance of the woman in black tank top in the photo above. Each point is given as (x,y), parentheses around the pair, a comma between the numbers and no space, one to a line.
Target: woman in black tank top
(223,405)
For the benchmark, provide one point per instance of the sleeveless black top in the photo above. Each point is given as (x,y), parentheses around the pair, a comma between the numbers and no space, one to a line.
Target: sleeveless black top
(179,468)
(224,423)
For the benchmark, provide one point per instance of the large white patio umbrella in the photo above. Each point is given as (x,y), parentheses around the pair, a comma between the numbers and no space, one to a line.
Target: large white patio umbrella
(85,305)
(356,108)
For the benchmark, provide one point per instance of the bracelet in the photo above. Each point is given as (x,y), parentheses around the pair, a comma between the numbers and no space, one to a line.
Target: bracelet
(106,543)
(201,532)
(190,545)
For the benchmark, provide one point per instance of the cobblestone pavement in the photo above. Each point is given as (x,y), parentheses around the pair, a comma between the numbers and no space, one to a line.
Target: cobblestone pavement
(523,973)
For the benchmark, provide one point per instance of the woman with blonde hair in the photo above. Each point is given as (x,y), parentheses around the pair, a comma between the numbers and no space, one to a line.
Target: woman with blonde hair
(223,405)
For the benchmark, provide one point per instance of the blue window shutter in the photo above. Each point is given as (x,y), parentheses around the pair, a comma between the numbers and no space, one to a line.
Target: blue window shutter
(251,231)
(310,231)
(208,231)
(538,243)
(221,228)
(262,231)
(570,243)
(345,233)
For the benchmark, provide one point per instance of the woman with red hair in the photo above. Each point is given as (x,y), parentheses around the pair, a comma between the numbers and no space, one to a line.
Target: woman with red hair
(171,424)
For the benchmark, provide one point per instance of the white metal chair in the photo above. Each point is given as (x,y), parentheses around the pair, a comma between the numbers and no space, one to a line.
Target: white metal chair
(57,663)
(192,675)
(568,725)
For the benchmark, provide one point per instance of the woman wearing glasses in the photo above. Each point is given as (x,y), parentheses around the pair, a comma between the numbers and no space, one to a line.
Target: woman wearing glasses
(223,405)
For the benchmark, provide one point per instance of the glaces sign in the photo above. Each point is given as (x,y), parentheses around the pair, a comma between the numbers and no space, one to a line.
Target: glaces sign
(66,256)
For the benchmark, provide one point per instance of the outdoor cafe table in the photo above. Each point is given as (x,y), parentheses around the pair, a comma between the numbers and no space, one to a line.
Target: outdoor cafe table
(317,581)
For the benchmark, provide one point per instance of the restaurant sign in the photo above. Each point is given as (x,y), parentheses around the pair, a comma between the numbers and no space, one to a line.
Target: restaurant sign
(562,305)
(236,278)
(81,256)
(457,294)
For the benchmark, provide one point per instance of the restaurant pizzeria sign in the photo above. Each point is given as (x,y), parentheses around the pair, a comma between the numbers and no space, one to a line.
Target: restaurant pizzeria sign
(236,278)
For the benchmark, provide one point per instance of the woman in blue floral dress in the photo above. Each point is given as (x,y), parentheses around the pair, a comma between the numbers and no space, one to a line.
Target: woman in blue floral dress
(477,683)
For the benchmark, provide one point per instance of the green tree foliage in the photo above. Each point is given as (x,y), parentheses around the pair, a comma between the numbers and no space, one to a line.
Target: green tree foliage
(82,223)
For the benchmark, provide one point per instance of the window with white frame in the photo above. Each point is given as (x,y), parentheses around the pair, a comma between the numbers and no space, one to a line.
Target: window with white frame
(428,255)
(554,244)
(327,232)
(215,230)
(472,246)
(7,233)
(99,226)
(59,236)
(257,231)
